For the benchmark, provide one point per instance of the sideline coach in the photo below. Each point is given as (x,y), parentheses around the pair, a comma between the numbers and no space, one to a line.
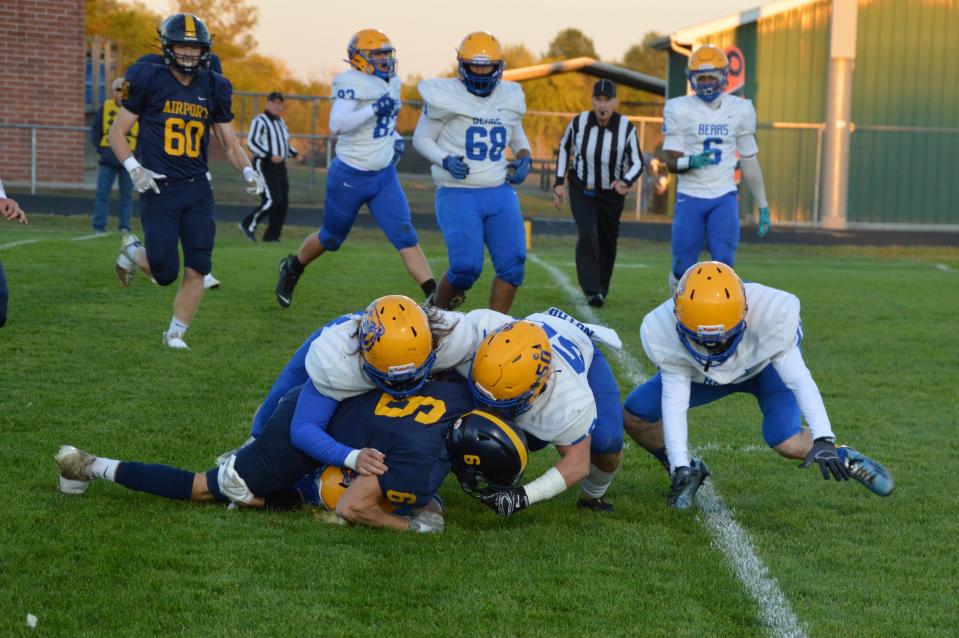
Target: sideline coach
(606,162)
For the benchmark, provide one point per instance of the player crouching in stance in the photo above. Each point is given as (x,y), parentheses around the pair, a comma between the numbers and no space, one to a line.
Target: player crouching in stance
(716,337)
(464,130)
(412,433)
(178,104)
(366,102)
(548,376)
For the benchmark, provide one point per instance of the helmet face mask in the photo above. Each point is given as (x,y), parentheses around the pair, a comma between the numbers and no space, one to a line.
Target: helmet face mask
(186,43)
(710,308)
(708,72)
(486,452)
(370,52)
(481,63)
(511,367)
(396,345)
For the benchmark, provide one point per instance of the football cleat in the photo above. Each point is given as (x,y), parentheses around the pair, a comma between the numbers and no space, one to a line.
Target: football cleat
(75,469)
(209,281)
(125,265)
(870,473)
(286,282)
(174,340)
(251,235)
(458,300)
(686,482)
(598,504)
(710,308)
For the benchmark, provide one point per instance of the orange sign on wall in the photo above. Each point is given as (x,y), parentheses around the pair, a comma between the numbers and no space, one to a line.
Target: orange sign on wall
(737,71)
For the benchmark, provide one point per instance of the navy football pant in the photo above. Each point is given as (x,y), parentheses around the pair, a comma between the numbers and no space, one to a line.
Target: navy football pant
(697,220)
(181,213)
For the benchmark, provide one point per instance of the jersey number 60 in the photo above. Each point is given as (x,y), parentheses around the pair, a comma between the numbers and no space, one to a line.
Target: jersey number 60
(181,137)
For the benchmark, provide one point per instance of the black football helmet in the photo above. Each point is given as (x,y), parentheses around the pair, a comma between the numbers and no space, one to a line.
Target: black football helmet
(185,28)
(486,452)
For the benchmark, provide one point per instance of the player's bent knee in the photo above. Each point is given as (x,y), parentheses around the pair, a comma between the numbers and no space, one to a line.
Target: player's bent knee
(163,275)
(603,445)
(330,243)
(795,447)
(201,492)
(463,280)
(203,264)
(513,275)
(405,237)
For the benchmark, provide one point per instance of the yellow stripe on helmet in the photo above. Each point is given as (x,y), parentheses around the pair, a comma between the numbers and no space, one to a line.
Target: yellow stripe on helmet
(189,26)
(511,433)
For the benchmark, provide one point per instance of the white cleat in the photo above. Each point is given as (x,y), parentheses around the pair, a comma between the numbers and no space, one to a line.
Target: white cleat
(174,340)
(209,281)
(125,266)
(75,469)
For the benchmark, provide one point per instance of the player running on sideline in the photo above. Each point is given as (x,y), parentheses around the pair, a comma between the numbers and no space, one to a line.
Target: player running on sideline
(717,336)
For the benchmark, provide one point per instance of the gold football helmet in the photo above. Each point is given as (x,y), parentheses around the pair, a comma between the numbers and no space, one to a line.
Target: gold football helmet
(371,52)
(510,367)
(708,72)
(481,62)
(710,308)
(396,344)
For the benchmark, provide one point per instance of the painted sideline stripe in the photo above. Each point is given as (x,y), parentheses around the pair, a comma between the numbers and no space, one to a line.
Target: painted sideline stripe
(20,243)
(24,242)
(732,540)
(945,268)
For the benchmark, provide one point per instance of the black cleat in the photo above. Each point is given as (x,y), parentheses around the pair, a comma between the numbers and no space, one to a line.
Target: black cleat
(596,301)
(595,505)
(287,281)
(686,482)
(249,233)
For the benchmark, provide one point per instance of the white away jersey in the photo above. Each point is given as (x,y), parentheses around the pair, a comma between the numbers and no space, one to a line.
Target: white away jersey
(478,128)
(336,369)
(566,410)
(368,147)
(773,328)
(691,127)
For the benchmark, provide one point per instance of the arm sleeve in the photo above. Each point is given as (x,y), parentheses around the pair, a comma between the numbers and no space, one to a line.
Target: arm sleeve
(796,376)
(565,148)
(754,179)
(675,402)
(635,157)
(254,139)
(308,428)
(427,132)
(518,140)
(293,374)
(672,130)
(223,100)
(346,115)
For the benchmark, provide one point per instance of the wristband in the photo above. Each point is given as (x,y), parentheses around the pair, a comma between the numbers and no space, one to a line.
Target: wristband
(682,164)
(131,164)
(545,487)
(248,173)
(350,461)
(3,193)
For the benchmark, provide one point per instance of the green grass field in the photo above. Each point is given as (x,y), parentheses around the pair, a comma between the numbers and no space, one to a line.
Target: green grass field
(81,363)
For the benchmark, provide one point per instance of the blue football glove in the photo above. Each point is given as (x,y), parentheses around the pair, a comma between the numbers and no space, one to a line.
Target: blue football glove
(384,106)
(456,167)
(398,147)
(518,169)
(703,159)
(764,223)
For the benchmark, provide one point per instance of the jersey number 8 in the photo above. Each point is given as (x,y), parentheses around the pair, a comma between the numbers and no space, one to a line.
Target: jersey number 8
(182,138)
(477,149)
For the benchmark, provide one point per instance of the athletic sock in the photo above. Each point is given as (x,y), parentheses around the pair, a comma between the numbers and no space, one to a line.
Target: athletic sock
(660,455)
(105,469)
(428,287)
(161,480)
(596,483)
(177,327)
(296,265)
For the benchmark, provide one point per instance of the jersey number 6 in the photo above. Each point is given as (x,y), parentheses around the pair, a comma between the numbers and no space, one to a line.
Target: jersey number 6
(478,149)
(181,137)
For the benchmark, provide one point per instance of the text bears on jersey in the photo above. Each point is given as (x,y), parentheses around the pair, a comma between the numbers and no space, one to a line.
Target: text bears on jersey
(487,121)
(713,129)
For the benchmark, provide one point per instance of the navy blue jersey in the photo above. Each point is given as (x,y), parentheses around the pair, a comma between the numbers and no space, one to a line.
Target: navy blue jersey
(175,120)
(409,432)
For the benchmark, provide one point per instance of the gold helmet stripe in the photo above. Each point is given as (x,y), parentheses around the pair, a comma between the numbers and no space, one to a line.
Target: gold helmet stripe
(511,433)
(189,26)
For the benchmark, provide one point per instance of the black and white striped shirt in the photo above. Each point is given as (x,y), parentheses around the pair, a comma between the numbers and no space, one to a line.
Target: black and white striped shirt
(269,136)
(600,155)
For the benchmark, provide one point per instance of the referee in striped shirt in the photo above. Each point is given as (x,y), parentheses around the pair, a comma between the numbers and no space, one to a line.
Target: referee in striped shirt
(269,140)
(606,162)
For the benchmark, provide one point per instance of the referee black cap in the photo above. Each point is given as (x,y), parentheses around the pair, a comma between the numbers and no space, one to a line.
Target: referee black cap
(275,96)
(605,87)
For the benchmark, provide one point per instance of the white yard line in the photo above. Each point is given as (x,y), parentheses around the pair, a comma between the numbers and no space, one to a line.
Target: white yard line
(20,243)
(728,536)
(86,237)
(24,242)
(945,268)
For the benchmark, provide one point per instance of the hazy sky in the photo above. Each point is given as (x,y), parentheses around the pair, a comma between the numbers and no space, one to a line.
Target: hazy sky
(311,35)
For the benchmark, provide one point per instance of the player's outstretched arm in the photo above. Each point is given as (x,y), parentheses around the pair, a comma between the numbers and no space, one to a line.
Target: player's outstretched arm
(226,136)
(572,467)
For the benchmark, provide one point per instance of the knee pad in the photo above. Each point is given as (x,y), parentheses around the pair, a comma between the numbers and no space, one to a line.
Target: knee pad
(463,280)
(329,242)
(405,237)
(200,262)
(606,442)
(515,274)
(163,275)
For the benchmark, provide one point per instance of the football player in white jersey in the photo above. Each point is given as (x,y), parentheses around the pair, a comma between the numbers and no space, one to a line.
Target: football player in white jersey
(715,337)
(366,101)
(547,375)
(466,126)
(702,134)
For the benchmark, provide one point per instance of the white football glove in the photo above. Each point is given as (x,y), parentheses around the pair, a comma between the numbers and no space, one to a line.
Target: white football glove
(143,179)
(254,181)
(426,522)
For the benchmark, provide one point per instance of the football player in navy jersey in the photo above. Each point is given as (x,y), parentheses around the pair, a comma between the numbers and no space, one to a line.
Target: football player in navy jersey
(178,105)
(419,435)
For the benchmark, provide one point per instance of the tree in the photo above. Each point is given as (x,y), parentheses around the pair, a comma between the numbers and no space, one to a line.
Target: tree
(230,21)
(644,58)
(130,27)
(571,43)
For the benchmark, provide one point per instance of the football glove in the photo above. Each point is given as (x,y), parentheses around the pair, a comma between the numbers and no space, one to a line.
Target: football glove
(824,453)
(144,179)
(703,159)
(506,502)
(254,181)
(686,482)
(425,522)
(398,147)
(764,223)
(384,106)
(518,169)
(456,167)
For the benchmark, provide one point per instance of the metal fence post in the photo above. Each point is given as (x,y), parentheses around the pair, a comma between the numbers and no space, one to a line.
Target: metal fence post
(33,160)
(642,182)
(815,208)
